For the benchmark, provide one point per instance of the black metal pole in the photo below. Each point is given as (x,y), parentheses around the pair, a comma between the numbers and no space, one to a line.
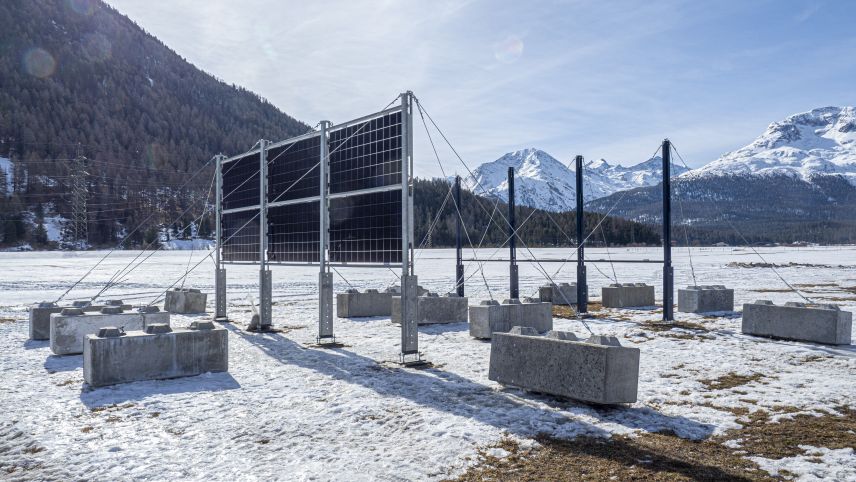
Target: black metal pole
(668,273)
(582,284)
(459,253)
(514,288)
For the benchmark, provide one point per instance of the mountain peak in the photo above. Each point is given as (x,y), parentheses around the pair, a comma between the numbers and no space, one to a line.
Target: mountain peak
(820,141)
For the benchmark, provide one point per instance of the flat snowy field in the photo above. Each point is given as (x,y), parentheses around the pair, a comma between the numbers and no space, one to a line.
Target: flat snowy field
(287,410)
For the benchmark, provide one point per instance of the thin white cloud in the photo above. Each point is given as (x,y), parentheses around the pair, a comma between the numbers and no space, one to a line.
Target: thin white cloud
(605,79)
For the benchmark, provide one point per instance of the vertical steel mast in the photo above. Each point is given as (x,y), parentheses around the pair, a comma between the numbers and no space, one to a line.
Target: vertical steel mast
(220,272)
(409,332)
(325,277)
(514,288)
(459,253)
(265,310)
(582,283)
(668,272)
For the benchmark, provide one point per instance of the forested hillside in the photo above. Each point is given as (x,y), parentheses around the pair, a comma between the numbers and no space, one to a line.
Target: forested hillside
(78,77)
(541,229)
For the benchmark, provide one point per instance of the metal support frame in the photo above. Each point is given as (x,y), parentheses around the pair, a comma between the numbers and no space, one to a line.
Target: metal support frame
(459,252)
(409,331)
(668,272)
(514,276)
(582,283)
(220,272)
(265,289)
(325,277)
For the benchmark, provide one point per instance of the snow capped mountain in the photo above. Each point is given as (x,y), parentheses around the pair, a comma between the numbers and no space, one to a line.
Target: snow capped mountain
(821,141)
(542,181)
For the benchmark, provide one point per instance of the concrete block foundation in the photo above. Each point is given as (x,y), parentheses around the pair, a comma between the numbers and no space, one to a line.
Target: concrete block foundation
(797,321)
(432,309)
(185,301)
(705,299)
(69,327)
(354,304)
(560,294)
(491,317)
(40,316)
(110,357)
(627,295)
(597,370)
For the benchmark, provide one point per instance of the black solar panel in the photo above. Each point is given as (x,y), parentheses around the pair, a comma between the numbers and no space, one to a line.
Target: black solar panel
(293,233)
(241,182)
(287,170)
(366,155)
(366,228)
(241,236)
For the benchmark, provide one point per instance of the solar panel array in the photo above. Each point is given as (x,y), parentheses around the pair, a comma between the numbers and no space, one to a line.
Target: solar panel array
(364,227)
(287,170)
(241,182)
(294,233)
(241,236)
(366,155)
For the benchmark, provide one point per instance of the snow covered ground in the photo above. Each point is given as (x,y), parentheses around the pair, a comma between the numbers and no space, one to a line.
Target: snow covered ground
(287,410)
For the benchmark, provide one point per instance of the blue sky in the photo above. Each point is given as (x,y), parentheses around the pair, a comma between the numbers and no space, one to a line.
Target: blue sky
(603,79)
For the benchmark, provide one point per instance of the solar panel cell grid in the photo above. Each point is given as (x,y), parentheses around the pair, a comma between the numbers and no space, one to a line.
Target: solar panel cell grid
(294,233)
(241,182)
(366,228)
(240,236)
(287,170)
(366,155)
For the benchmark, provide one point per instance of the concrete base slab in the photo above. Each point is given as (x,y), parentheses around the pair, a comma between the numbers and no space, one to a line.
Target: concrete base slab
(68,331)
(705,299)
(185,301)
(627,295)
(161,354)
(560,294)
(491,317)
(797,321)
(355,304)
(597,370)
(40,316)
(433,309)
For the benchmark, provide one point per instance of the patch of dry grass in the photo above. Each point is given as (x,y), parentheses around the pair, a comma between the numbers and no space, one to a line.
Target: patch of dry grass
(730,380)
(776,440)
(654,457)
(595,310)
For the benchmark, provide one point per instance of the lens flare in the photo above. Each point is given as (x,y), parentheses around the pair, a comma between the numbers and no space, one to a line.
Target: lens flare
(39,63)
(83,7)
(509,50)
(96,47)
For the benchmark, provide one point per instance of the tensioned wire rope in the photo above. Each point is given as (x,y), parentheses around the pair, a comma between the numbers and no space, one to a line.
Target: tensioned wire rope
(740,234)
(515,231)
(127,236)
(237,231)
(123,274)
(205,207)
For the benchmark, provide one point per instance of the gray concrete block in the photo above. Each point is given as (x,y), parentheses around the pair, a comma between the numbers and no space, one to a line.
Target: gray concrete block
(40,316)
(627,295)
(137,355)
(560,294)
(353,304)
(434,309)
(597,370)
(185,301)
(490,317)
(797,321)
(67,332)
(705,299)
